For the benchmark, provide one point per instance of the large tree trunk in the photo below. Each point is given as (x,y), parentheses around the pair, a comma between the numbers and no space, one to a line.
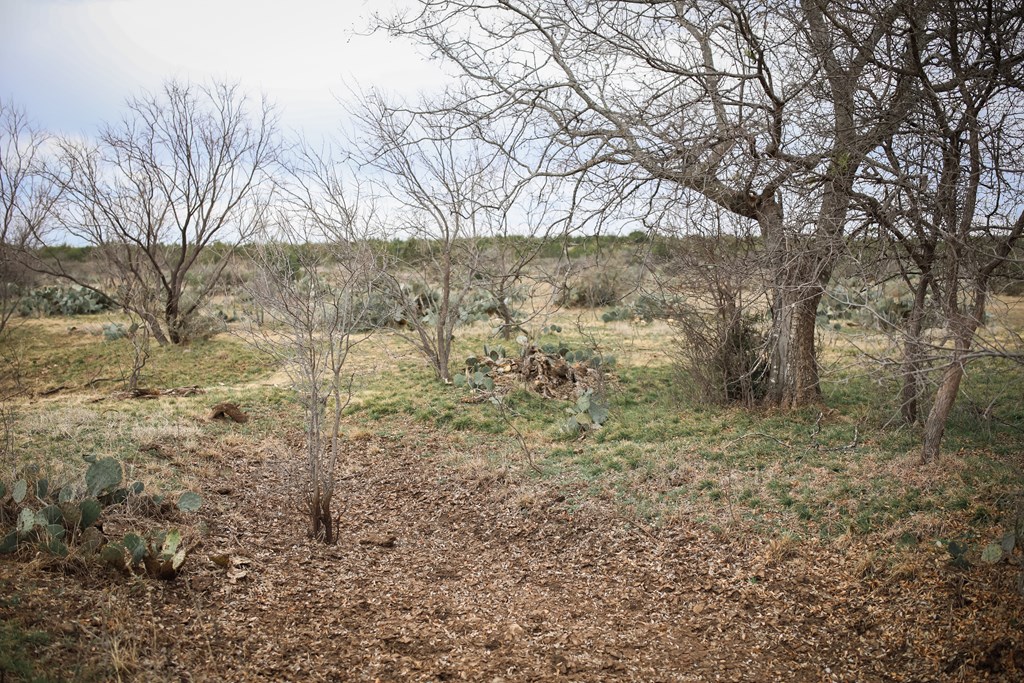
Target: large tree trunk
(794,364)
(797,271)
(802,267)
(804,387)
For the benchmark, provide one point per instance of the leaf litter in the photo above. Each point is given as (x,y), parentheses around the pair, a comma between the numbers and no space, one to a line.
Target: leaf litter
(443,574)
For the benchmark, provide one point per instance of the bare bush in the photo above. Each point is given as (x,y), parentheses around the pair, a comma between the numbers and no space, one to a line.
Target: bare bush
(597,284)
(708,284)
(453,193)
(316,273)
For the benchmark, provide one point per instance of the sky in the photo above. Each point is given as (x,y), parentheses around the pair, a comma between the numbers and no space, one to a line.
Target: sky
(72,63)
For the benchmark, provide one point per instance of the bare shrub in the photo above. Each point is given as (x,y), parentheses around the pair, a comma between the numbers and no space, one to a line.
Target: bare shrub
(458,203)
(26,202)
(596,285)
(708,288)
(316,272)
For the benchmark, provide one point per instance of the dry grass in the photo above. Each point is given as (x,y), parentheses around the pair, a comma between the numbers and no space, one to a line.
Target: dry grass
(659,456)
(790,484)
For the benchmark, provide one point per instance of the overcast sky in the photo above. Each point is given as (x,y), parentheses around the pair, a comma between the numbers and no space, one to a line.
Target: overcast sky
(71,63)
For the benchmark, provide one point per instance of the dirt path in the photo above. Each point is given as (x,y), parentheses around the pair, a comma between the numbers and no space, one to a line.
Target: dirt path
(443,574)
(486,581)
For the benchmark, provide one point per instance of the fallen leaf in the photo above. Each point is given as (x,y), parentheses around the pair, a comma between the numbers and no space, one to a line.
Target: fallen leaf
(379,540)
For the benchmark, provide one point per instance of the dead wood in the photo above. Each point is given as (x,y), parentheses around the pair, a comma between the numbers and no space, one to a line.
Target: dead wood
(228,411)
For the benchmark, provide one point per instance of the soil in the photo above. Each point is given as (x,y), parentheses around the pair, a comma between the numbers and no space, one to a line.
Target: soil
(228,411)
(455,573)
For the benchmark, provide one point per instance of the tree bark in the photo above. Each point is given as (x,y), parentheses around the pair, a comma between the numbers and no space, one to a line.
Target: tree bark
(912,351)
(804,387)
(799,276)
(964,326)
(444,325)
(795,379)
(935,426)
(172,316)
(155,327)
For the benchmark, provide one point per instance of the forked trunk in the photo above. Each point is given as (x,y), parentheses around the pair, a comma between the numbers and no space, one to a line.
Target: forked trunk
(798,273)
(321,526)
(321,522)
(508,322)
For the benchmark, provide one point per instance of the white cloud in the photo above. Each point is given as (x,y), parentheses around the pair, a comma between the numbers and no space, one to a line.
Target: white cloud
(72,63)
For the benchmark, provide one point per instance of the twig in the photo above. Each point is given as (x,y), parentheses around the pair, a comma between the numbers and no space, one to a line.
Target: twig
(817,429)
(639,527)
(850,446)
(498,401)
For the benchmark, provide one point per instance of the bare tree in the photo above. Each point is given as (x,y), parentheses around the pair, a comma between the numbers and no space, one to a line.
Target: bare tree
(448,190)
(26,200)
(945,188)
(523,285)
(766,111)
(316,273)
(183,179)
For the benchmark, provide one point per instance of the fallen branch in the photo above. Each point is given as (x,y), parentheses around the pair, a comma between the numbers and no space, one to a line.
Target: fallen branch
(228,411)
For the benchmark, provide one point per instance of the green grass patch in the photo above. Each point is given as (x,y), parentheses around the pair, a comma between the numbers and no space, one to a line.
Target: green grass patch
(46,354)
(824,470)
(17,648)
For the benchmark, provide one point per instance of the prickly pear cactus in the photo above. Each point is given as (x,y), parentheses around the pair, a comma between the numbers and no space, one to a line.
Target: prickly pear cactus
(19,491)
(189,501)
(165,557)
(589,412)
(90,509)
(103,476)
